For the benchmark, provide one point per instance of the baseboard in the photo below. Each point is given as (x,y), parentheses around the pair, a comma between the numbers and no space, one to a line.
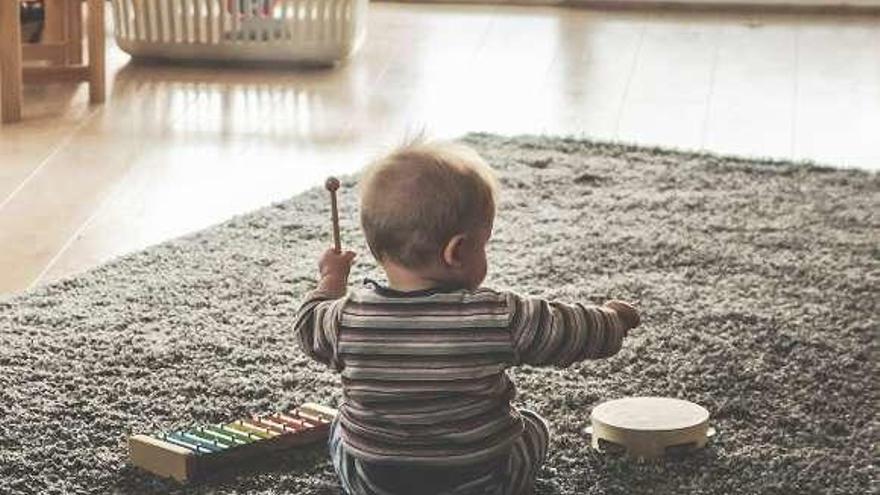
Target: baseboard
(863,7)
(807,6)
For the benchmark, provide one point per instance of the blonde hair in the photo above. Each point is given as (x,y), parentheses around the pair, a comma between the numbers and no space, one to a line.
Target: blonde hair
(415,199)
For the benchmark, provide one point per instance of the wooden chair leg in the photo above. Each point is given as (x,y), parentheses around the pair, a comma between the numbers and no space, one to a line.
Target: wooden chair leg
(54,33)
(74,31)
(96,34)
(10,61)
(54,24)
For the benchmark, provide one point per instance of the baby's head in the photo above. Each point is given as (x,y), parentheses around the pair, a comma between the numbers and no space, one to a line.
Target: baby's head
(427,210)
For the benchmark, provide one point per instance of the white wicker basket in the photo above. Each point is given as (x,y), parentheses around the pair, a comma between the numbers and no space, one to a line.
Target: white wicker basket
(306,31)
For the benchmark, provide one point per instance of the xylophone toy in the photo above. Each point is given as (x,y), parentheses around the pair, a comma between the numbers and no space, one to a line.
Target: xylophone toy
(195,453)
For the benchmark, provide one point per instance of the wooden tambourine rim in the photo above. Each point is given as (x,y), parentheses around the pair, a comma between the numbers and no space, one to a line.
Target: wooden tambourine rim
(651,443)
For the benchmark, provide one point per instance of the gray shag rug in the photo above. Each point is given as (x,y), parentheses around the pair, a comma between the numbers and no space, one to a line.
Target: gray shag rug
(758,284)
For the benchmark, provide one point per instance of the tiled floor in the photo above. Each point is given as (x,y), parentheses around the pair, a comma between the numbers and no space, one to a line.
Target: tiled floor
(176,149)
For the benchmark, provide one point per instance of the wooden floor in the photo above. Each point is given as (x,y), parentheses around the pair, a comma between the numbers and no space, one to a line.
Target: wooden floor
(176,149)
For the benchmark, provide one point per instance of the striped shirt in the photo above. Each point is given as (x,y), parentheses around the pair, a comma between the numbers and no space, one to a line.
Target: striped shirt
(423,372)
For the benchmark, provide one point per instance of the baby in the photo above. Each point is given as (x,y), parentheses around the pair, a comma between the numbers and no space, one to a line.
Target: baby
(426,406)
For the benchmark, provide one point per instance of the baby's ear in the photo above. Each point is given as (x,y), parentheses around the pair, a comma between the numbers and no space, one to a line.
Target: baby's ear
(453,252)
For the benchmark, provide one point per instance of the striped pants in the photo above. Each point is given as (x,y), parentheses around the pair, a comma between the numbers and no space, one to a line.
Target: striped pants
(514,475)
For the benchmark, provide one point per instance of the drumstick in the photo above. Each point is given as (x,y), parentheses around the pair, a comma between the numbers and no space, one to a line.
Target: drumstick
(332,185)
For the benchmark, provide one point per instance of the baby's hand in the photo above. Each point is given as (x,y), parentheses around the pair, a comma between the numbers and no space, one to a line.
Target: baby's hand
(334,268)
(627,313)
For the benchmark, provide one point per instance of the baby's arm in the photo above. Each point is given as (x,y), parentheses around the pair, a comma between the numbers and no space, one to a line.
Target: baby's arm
(317,320)
(552,333)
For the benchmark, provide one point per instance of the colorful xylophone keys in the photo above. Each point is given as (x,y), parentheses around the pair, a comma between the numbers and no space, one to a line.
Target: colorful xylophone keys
(196,452)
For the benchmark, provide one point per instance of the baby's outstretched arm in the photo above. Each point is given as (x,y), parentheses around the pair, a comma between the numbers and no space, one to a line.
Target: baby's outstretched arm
(552,333)
(317,320)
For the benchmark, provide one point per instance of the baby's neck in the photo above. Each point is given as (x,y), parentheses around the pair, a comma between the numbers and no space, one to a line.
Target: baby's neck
(407,280)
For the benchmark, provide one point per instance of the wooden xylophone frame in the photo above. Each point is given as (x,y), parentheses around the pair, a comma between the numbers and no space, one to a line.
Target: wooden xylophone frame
(196,453)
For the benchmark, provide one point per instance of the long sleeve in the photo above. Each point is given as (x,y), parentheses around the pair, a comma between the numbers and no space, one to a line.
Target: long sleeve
(552,333)
(317,327)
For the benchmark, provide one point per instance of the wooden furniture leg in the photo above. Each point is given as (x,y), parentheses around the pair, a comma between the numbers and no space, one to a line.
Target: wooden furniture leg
(54,24)
(73,9)
(64,32)
(52,46)
(97,76)
(10,61)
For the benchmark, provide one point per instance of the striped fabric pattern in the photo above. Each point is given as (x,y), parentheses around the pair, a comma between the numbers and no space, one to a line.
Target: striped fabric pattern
(514,475)
(423,372)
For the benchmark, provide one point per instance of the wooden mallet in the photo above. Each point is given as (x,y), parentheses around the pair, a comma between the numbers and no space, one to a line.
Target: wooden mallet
(332,184)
